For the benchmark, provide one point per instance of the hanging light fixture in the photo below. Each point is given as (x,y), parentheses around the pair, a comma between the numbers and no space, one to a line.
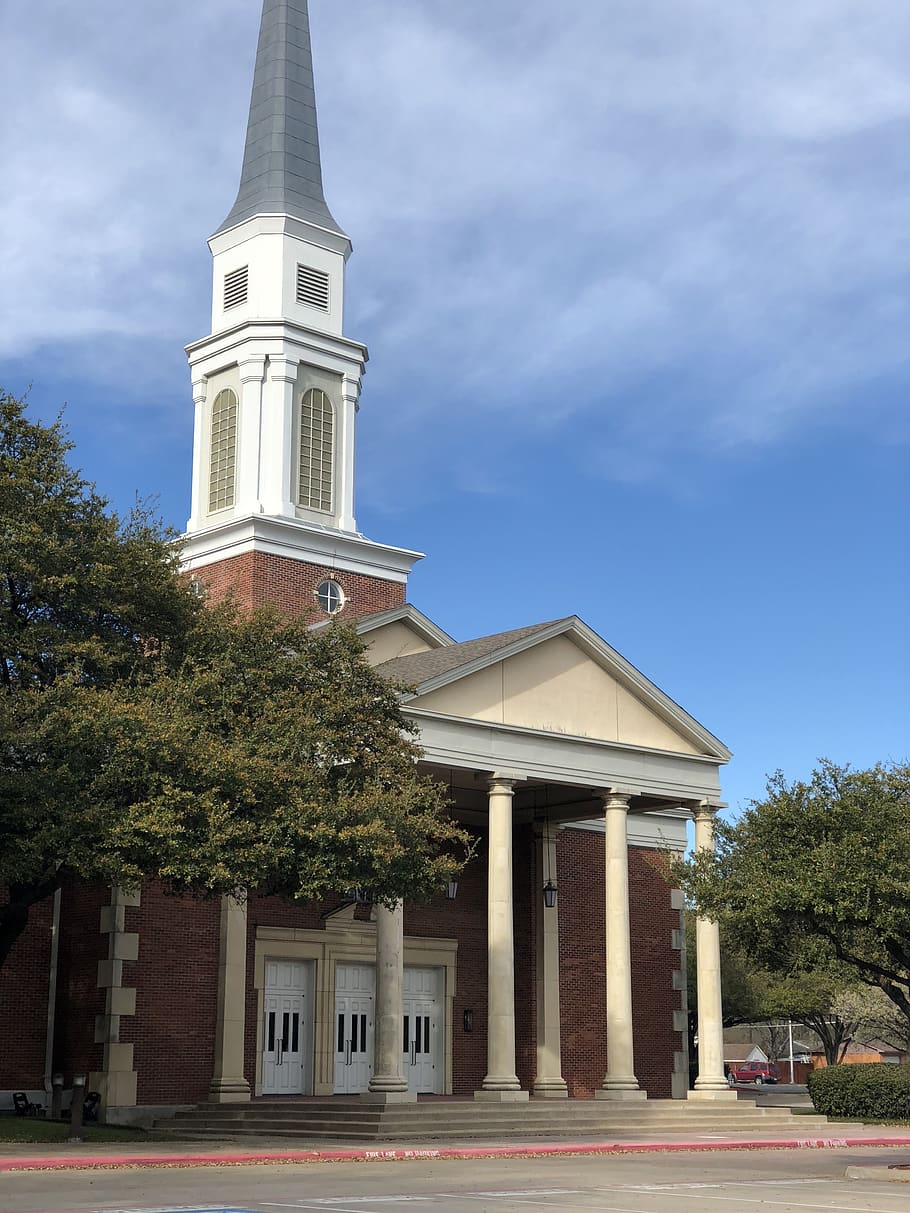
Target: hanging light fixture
(452,886)
(549,888)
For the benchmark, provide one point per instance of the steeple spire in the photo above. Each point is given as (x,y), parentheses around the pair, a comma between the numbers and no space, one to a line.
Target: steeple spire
(282,171)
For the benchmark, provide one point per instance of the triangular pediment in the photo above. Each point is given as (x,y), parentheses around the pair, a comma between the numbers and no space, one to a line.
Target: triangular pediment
(399,632)
(564,680)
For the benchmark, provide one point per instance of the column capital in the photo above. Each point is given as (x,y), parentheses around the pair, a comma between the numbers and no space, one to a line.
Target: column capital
(252,370)
(502,781)
(199,390)
(705,810)
(614,798)
(283,370)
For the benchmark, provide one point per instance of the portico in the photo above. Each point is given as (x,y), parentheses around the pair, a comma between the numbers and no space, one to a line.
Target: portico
(505,777)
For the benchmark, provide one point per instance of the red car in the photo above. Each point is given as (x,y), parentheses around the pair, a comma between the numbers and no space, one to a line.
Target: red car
(753,1071)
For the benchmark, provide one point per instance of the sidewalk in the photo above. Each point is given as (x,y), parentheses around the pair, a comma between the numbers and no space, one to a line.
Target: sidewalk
(17,1157)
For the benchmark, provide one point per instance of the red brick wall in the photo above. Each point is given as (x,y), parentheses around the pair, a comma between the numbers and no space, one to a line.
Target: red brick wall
(580,862)
(654,1000)
(464,919)
(259,578)
(79,999)
(23,1002)
(176,980)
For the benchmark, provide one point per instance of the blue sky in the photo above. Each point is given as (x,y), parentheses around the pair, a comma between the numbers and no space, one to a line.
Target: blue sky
(634,278)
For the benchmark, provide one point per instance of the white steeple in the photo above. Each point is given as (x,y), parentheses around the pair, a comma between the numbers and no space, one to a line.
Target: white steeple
(276,385)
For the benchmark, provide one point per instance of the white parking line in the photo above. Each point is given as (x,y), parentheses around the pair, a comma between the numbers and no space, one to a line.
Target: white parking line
(670,1186)
(801,1205)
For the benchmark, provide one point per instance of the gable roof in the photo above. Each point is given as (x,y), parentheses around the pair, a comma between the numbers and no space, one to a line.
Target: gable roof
(420,623)
(419,668)
(439,667)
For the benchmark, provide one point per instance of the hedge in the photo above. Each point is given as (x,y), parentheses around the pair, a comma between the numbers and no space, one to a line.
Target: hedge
(878,1091)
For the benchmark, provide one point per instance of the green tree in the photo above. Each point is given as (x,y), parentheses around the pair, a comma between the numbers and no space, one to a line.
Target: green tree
(87,600)
(816,877)
(144,735)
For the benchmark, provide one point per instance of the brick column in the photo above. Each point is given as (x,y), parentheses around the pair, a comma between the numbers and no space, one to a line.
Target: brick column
(620,1081)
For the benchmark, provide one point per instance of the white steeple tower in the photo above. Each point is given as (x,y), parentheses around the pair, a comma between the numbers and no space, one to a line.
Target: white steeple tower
(276,385)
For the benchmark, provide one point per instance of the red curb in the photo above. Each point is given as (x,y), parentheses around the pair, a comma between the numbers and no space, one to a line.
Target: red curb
(399,1154)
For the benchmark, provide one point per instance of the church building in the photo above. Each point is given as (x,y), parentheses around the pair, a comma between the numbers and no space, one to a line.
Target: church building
(556,968)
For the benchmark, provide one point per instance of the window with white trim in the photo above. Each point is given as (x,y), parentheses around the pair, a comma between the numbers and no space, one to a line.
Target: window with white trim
(330,597)
(316,450)
(223,451)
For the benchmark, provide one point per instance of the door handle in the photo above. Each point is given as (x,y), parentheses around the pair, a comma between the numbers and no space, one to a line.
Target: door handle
(413,1052)
(347,1053)
(279,1054)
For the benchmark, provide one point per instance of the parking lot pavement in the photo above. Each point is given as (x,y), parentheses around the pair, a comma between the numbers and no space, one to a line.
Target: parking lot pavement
(736,1182)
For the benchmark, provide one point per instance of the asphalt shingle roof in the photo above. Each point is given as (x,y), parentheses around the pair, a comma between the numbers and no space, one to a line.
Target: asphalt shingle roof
(420,667)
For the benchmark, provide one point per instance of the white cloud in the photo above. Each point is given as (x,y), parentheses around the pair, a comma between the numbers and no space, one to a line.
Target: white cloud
(688,218)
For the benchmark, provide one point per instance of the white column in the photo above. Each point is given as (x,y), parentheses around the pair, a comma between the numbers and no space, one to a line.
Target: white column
(249,437)
(347,419)
(277,460)
(710,1083)
(548,1082)
(197,505)
(228,1082)
(388,1084)
(501,1082)
(620,1081)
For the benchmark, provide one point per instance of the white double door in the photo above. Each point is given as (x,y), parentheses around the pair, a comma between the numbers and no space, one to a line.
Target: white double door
(422,1036)
(288,1028)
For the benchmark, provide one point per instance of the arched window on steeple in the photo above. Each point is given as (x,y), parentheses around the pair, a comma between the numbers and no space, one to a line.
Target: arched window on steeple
(317,450)
(223,451)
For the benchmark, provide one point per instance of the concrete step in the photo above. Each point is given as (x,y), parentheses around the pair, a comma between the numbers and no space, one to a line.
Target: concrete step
(593,1126)
(581,1132)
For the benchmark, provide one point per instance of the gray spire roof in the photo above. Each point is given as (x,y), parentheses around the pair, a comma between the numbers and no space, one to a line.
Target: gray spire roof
(282,173)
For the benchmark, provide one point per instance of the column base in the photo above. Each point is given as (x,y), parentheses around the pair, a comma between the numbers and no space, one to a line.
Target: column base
(550,1088)
(502,1096)
(388,1097)
(714,1095)
(229,1090)
(621,1094)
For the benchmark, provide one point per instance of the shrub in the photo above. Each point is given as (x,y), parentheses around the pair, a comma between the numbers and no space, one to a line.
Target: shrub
(875,1091)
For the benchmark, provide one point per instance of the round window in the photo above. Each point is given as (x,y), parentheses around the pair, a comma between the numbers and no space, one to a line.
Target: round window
(330,597)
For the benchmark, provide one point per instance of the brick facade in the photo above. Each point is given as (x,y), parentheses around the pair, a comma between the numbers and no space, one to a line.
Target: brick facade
(23,1002)
(582,953)
(176,980)
(255,579)
(79,998)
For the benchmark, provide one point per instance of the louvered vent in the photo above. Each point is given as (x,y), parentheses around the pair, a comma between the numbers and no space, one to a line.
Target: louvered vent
(312,287)
(235,287)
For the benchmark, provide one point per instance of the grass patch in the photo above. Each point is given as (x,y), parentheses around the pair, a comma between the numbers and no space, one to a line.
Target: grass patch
(34,1129)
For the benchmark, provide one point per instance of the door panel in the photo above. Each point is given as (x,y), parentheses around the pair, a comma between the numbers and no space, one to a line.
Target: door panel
(353,1028)
(287,1028)
(422,1031)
